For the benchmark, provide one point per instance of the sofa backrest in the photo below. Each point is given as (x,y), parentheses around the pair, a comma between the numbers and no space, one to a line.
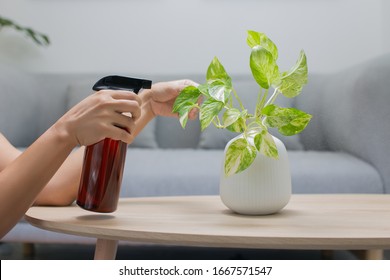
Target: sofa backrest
(35,101)
(29,104)
(18,106)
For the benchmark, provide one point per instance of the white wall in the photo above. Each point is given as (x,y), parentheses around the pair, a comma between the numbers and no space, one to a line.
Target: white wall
(182,36)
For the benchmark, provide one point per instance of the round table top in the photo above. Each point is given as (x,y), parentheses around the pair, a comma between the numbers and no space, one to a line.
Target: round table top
(307,222)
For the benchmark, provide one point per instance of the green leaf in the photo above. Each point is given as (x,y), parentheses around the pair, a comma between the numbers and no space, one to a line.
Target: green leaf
(6,22)
(39,38)
(294,80)
(230,116)
(262,140)
(219,82)
(204,89)
(265,144)
(237,126)
(264,67)
(183,117)
(218,90)
(234,120)
(208,111)
(216,71)
(185,102)
(288,121)
(260,39)
(239,156)
(189,94)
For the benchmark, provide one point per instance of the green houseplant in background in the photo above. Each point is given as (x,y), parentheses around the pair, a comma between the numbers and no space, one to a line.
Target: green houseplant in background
(254,140)
(37,37)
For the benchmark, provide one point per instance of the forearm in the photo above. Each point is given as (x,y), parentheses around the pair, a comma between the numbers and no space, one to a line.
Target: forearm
(23,179)
(62,189)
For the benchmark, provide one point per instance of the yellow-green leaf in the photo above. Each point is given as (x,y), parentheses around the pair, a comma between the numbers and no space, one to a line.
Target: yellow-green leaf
(265,144)
(260,39)
(239,156)
(208,111)
(264,68)
(293,81)
(288,121)
(219,82)
(185,102)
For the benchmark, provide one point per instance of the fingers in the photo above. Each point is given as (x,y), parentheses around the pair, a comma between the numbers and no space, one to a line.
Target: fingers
(118,110)
(179,85)
(124,121)
(118,133)
(127,106)
(193,114)
(186,82)
(123,95)
(124,102)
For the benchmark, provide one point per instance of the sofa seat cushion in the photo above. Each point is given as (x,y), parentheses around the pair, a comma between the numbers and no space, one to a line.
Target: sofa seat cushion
(163,172)
(332,172)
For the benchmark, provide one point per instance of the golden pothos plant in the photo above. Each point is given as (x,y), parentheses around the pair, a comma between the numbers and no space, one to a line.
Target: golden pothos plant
(218,93)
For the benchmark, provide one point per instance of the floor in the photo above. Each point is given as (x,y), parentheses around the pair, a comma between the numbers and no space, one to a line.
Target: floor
(15,251)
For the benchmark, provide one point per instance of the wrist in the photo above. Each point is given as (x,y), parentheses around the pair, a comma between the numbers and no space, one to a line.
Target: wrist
(147,107)
(61,133)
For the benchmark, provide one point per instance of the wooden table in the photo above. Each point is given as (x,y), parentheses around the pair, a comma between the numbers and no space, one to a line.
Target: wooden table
(321,222)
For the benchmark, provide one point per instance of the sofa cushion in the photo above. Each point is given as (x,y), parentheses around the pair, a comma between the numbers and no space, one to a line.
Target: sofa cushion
(79,90)
(247,89)
(163,172)
(332,172)
(170,134)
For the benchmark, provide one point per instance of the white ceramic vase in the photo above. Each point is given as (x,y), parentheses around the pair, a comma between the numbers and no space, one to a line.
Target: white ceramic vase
(263,188)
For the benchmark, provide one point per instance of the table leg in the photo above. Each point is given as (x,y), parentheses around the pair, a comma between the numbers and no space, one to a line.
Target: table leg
(327,254)
(106,249)
(369,254)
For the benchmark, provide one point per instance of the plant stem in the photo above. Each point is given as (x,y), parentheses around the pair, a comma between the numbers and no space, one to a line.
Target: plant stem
(238,99)
(260,103)
(271,100)
(217,122)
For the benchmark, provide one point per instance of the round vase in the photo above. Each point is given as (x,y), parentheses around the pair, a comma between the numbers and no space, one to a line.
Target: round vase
(261,189)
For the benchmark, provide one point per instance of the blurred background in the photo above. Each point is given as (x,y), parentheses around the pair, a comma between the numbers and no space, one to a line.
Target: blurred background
(182,36)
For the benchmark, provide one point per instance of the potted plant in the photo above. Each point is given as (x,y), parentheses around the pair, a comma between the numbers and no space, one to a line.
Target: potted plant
(256,177)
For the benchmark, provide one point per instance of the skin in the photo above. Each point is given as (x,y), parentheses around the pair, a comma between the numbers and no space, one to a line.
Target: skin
(48,172)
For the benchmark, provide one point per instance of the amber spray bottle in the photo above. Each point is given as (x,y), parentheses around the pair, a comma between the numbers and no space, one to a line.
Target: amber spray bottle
(104,161)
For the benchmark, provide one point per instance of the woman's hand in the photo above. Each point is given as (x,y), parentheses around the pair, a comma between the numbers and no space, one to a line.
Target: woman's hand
(163,95)
(101,115)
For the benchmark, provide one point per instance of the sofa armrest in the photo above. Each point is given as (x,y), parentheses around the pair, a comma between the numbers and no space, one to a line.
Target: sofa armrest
(356,115)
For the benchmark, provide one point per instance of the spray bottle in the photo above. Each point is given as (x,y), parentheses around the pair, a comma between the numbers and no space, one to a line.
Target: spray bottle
(104,161)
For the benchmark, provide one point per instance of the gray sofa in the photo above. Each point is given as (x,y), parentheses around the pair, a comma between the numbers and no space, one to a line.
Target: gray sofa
(345,149)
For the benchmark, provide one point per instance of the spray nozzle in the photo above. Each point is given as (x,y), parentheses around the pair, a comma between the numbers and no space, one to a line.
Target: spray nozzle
(122,83)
